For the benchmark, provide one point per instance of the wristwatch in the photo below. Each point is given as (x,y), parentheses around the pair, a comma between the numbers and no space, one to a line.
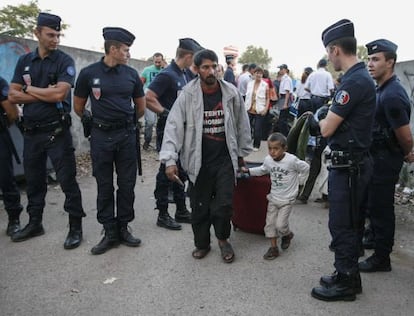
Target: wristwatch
(24,88)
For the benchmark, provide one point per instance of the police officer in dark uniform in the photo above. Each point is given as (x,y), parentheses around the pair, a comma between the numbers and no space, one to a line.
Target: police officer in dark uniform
(11,195)
(111,85)
(347,126)
(160,96)
(392,143)
(42,82)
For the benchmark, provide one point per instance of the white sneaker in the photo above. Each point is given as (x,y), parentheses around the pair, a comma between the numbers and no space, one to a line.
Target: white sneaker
(255,149)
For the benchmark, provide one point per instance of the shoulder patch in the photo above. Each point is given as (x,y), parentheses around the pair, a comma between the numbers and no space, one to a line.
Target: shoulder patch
(70,70)
(342,97)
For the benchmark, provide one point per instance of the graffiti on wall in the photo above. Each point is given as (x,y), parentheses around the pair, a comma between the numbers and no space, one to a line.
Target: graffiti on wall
(10,51)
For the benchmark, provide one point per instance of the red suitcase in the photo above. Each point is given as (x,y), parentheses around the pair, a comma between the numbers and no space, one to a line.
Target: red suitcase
(250,204)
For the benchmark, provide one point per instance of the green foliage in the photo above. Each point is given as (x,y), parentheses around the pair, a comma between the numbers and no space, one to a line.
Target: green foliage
(20,20)
(256,55)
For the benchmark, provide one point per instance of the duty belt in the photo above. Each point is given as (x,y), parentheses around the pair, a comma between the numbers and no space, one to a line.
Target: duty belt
(345,159)
(111,125)
(47,127)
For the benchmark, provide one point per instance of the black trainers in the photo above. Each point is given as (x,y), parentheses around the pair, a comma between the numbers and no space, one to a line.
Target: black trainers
(286,241)
(146,146)
(375,264)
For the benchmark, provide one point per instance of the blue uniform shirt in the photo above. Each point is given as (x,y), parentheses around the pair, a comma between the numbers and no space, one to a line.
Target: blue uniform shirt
(168,83)
(33,70)
(354,101)
(4,90)
(110,90)
(393,105)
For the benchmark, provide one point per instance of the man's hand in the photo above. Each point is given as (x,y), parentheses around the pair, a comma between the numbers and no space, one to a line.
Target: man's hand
(172,172)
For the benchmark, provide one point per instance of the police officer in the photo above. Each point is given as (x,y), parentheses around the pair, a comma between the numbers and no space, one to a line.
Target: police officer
(11,195)
(346,126)
(392,143)
(42,81)
(160,96)
(111,85)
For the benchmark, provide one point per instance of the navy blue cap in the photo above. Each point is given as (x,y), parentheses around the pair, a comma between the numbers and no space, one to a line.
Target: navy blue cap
(189,44)
(308,70)
(118,34)
(381,45)
(50,20)
(340,29)
(283,66)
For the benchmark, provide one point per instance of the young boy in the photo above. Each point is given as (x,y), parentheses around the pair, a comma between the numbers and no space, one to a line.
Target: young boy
(286,173)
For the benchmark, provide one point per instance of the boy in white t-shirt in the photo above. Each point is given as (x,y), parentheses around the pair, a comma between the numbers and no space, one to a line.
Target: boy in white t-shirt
(286,173)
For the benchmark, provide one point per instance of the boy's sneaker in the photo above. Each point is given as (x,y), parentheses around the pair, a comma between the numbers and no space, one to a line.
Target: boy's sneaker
(272,253)
(286,241)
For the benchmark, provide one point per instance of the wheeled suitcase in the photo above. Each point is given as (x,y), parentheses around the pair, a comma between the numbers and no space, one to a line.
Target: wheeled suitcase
(250,203)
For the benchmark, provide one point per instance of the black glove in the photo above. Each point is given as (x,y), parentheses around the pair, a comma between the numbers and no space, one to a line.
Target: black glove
(164,114)
(314,129)
(322,112)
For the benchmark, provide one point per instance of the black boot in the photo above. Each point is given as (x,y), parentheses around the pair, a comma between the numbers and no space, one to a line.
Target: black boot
(74,237)
(126,237)
(183,216)
(375,263)
(343,288)
(13,226)
(32,229)
(110,240)
(166,221)
(329,280)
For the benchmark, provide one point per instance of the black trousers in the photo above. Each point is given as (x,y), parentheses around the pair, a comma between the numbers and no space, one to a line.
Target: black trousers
(211,199)
(117,149)
(37,147)
(11,193)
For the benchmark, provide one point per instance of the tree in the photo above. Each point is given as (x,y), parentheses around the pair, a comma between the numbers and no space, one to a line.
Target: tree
(21,20)
(256,55)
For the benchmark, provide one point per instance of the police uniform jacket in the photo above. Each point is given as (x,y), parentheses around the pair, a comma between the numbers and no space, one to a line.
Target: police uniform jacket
(167,84)
(393,107)
(354,101)
(33,70)
(184,128)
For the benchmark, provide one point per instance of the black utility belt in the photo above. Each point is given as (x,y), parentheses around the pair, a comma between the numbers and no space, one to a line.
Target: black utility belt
(110,126)
(48,127)
(345,159)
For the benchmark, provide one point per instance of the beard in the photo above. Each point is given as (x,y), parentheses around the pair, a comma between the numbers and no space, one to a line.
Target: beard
(210,80)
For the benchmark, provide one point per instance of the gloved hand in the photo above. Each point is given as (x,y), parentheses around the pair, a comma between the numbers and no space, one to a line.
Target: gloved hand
(314,129)
(164,114)
(322,112)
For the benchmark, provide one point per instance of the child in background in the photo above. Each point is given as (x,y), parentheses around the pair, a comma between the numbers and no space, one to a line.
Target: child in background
(286,173)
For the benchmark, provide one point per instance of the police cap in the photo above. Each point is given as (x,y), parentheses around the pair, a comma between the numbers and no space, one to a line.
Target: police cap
(340,29)
(118,34)
(189,44)
(381,45)
(50,20)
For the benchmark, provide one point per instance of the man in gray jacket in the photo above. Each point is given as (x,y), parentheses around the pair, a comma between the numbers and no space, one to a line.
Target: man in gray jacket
(208,128)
